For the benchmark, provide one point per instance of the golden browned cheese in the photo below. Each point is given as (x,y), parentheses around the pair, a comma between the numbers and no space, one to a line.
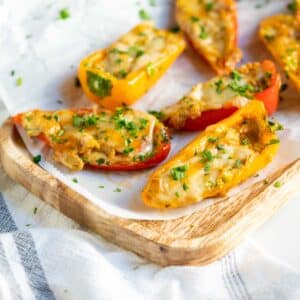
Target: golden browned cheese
(98,137)
(138,48)
(221,157)
(219,92)
(212,28)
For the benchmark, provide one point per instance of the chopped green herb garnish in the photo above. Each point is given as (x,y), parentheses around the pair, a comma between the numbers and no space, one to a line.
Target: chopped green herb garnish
(12,73)
(218,85)
(150,70)
(277,184)
(209,6)
(212,139)
(157,114)
(244,141)
(128,150)
(274,141)
(19,81)
(235,75)
(64,14)
(179,172)
(75,180)
(203,33)
(36,159)
(152,2)
(99,85)
(185,186)
(35,210)
(206,167)
(117,190)
(59,101)
(101,186)
(237,164)
(275,126)
(144,15)
(206,156)
(194,19)
(100,161)
(122,73)
(177,194)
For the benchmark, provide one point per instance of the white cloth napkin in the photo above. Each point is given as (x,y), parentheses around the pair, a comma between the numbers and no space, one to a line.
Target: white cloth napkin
(42,256)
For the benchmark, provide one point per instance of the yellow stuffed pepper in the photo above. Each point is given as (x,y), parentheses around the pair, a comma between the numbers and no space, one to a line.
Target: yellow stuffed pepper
(280,35)
(223,156)
(125,71)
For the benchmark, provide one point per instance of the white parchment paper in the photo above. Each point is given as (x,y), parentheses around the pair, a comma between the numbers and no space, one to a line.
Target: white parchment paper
(45,51)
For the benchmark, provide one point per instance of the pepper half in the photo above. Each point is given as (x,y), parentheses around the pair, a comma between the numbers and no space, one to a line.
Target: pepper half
(221,157)
(125,71)
(211,26)
(280,34)
(210,102)
(123,140)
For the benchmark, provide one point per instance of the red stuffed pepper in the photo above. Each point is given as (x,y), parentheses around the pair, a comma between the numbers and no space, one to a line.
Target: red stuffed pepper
(122,140)
(217,99)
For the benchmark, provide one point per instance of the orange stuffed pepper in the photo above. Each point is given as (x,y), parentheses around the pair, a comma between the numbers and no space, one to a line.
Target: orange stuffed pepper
(211,26)
(221,157)
(126,70)
(280,35)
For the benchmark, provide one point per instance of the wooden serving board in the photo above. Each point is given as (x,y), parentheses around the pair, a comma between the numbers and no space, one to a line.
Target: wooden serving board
(199,238)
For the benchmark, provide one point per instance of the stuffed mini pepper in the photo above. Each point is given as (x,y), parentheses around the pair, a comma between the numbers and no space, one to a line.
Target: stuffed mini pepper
(212,101)
(126,70)
(280,34)
(221,157)
(211,26)
(123,140)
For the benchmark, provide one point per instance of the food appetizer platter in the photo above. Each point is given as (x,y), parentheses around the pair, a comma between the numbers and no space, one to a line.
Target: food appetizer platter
(182,183)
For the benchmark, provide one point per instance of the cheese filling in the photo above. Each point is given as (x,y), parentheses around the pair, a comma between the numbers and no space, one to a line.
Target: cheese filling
(96,137)
(231,90)
(140,48)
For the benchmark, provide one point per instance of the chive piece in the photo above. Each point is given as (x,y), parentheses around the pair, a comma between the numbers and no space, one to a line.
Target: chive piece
(75,180)
(157,114)
(212,140)
(178,173)
(144,15)
(35,210)
(274,142)
(36,159)
(99,85)
(203,33)
(117,190)
(19,81)
(100,161)
(150,70)
(64,14)
(194,19)
(277,184)
(185,186)
(209,6)
(206,156)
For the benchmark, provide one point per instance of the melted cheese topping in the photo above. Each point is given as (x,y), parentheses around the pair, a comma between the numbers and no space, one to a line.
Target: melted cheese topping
(281,36)
(218,93)
(142,46)
(224,156)
(95,138)
(211,26)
